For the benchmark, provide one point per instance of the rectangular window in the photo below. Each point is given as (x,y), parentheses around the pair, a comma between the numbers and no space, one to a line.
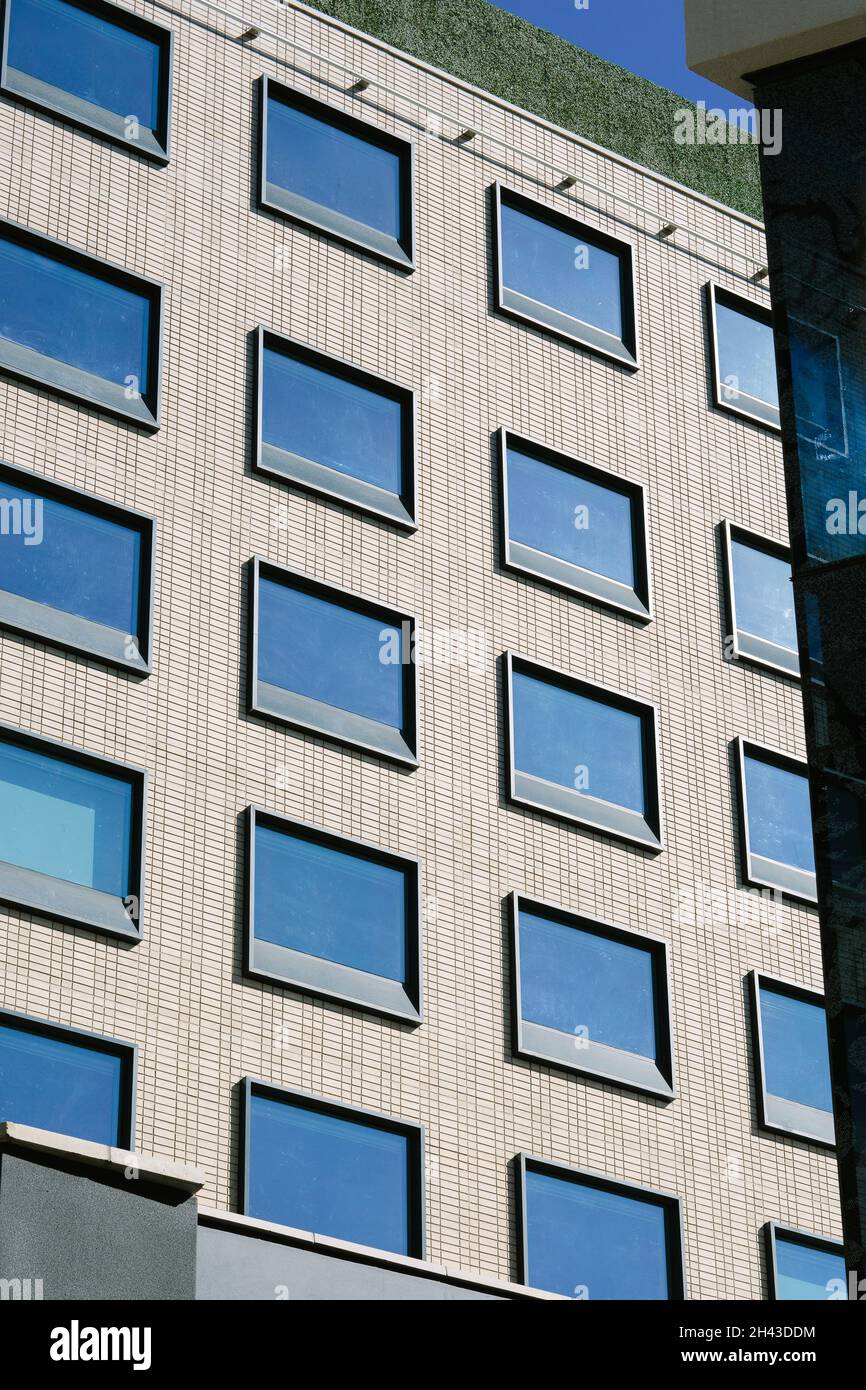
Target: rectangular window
(792,1059)
(817,381)
(590,997)
(330,171)
(803,1267)
(70,833)
(79,325)
(743,357)
(582,752)
(66,1081)
(574,525)
(776,842)
(588,1237)
(95,64)
(559,274)
(760,598)
(333,1169)
(330,427)
(75,570)
(332,663)
(333,916)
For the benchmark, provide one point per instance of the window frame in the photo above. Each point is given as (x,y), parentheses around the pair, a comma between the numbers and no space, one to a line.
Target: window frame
(757,871)
(747,646)
(318,478)
(127,1052)
(645,831)
(29,890)
(625,351)
(775,1114)
(70,631)
(635,602)
(317,975)
(794,1236)
(535,1042)
(411,1130)
(670,1202)
(814,438)
(763,413)
(84,115)
(313,216)
(302,712)
(61,378)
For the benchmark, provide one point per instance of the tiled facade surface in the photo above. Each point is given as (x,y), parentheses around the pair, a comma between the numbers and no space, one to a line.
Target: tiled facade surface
(180,994)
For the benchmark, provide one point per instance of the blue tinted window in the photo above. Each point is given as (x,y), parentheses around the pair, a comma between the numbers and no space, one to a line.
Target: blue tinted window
(796,1053)
(557,511)
(561,269)
(59,1085)
(73,316)
(64,820)
(764,594)
(805,1273)
(817,381)
(87,56)
(330,903)
(578,742)
(339,170)
(68,558)
(329,1174)
(780,817)
(747,362)
(572,979)
(327,652)
(584,1241)
(325,417)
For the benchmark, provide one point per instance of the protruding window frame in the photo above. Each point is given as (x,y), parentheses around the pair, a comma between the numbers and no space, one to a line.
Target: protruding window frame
(671,1204)
(302,712)
(328,979)
(727,398)
(126,1052)
(315,217)
(745,645)
(29,890)
(636,601)
(319,478)
(354,1114)
(61,378)
(69,631)
(535,1042)
(88,116)
(645,831)
(756,870)
(625,351)
(775,1114)
(794,1236)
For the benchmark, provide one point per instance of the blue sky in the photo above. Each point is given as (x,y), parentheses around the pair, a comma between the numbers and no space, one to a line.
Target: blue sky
(646,36)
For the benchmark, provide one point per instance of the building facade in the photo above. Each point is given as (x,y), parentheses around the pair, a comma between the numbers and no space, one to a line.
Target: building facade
(568,498)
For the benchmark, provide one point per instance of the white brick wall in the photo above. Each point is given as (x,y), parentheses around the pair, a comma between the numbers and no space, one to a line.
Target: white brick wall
(179,994)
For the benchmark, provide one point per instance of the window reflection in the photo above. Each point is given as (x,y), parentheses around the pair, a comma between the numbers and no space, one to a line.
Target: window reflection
(586,1241)
(807,1273)
(315,1169)
(587,985)
(796,1056)
(779,812)
(52,1082)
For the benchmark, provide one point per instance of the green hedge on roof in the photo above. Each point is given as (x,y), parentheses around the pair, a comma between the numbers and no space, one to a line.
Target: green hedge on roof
(513,59)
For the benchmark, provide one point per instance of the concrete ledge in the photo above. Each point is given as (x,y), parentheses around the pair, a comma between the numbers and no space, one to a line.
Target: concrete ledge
(163,1171)
(329,1245)
(727,38)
